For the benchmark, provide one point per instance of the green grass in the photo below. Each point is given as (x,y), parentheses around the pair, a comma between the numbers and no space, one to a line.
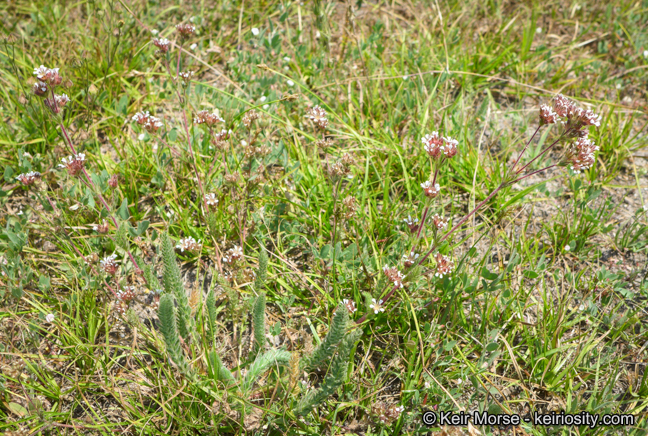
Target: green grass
(544,311)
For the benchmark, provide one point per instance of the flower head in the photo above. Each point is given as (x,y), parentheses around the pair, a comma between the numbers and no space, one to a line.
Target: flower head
(318,116)
(189,244)
(376,306)
(394,276)
(410,259)
(29,178)
(208,118)
(162,44)
(211,200)
(186,76)
(581,156)
(149,122)
(350,305)
(431,190)
(56,104)
(73,164)
(547,115)
(249,118)
(444,265)
(40,89)
(432,144)
(186,30)
(109,265)
(101,228)
(439,222)
(412,223)
(49,318)
(48,75)
(223,135)
(449,147)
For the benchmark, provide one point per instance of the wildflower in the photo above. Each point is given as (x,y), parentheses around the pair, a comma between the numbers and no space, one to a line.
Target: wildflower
(101,228)
(439,222)
(337,169)
(162,44)
(74,164)
(444,265)
(48,75)
(236,253)
(290,83)
(189,244)
(350,305)
(109,265)
(449,147)
(547,115)
(193,46)
(255,31)
(431,190)
(222,135)
(410,259)
(113,182)
(56,104)
(318,116)
(186,76)
(146,120)
(432,144)
(29,178)
(126,294)
(49,318)
(581,156)
(562,105)
(211,200)
(250,117)
(589,118)
(208,118)
(376,306)
(412,223)
(394,276)
(40,88)
(3,261)
(186,30)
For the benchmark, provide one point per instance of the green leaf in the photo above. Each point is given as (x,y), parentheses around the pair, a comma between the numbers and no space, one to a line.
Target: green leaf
(485,273)
(122,212)
(449,345)
(491,347)
(44,283)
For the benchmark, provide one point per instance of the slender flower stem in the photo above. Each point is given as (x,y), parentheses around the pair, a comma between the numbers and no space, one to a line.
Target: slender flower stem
(542,152)
(532,173)
(525,147)
(418,233)
(89,179)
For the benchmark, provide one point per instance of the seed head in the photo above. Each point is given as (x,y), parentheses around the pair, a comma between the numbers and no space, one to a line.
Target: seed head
(249,118)
(113,181)
(350,207)
(29,178)
(73,164)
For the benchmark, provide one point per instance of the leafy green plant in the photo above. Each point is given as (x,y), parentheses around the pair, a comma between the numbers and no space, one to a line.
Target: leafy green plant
(334,349)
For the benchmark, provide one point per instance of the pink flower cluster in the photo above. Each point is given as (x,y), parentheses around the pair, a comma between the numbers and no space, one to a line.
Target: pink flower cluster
(581,156)
(162,44)
(436,146)
(233,254)
(207,118)
(73,164)
(29,178)
(394,276)
(567,112)
(318,116)
(444,265)
(149,122)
